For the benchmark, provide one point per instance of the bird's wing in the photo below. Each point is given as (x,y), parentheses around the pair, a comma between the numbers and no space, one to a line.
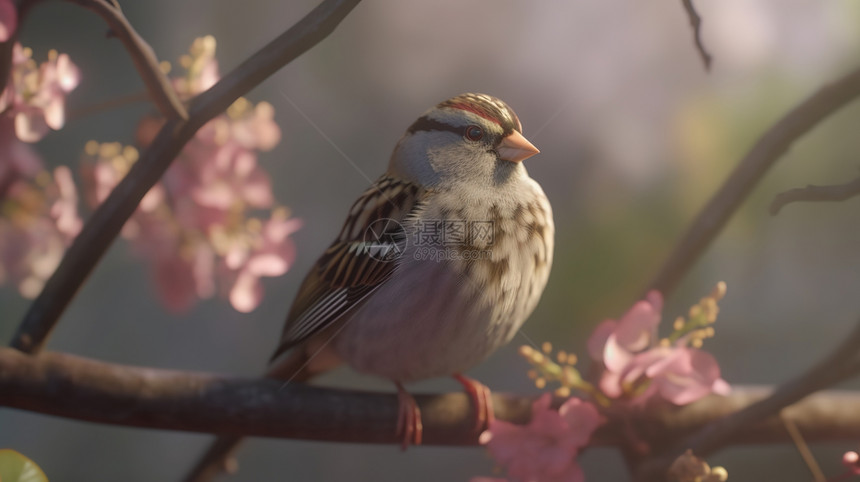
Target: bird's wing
(361,259)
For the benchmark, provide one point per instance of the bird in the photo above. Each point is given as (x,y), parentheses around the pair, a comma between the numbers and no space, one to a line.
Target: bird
(438,264)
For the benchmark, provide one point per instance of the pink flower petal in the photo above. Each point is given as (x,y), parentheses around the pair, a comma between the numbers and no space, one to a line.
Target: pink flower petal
(615,356)
(637,326)
(851,460)
(8,19)
(68,74)
(598,338)
(30,125)
(277,230)
(685,375)
(247,292)
(55,113)
(270,265)
(256,189)
(582,418)
(721,387)
(610,384)
(545,450)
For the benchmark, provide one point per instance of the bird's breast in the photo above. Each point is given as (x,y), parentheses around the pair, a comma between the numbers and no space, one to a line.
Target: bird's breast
(468,277)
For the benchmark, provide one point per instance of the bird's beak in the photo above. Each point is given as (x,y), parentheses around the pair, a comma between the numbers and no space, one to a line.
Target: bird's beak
(516,148)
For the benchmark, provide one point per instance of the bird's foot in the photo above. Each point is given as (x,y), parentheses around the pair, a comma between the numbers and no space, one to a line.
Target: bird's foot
(409,426)
(481,399)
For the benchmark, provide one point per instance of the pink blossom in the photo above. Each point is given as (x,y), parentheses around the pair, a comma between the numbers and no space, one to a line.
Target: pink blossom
(8,19)
(271,254)
(851,460)
(201,68)
(256,128)
(635,366)
(35,94)
(678,374)
(197,227)
(39,223)
(217,175)
(545,450)
(192,227)
(615,342)
(213,181)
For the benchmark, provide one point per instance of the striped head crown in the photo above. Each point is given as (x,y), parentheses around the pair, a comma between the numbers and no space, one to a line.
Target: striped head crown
(482,105)
(488,107)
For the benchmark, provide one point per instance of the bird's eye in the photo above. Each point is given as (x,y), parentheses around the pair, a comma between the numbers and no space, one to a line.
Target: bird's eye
(474,133)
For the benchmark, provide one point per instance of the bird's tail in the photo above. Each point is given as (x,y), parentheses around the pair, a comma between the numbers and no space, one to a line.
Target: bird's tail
(220,457)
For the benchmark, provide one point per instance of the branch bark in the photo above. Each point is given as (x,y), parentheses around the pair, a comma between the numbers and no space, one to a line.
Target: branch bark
(157,84)
(84,389)
(104,225)
(749,171)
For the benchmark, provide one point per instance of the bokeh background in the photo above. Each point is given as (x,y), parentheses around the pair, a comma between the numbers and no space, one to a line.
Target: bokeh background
(635,136)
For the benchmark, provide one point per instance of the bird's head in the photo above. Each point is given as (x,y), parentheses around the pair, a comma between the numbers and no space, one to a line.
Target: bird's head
(474,139)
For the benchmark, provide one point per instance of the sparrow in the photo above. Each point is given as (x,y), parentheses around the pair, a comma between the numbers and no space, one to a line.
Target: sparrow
(439,263)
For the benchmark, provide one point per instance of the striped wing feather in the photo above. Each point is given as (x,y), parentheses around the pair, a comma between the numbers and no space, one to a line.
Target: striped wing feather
(359,261)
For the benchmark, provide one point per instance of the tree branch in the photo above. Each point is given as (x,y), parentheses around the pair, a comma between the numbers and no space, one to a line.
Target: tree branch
(770,146)
(810,193)
(839,365)
(104,225)
(83,389)
(696,23)
(157,84)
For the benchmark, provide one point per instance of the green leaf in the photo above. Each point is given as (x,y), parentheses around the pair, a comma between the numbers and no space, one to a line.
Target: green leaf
(15,467)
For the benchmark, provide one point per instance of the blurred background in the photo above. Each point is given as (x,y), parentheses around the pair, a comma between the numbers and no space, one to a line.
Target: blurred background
(634,138)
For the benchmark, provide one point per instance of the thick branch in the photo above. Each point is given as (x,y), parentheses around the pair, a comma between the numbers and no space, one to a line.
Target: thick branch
(89,390)
(696,23)
(749,171)
(157,84)
(810,193)
(104,225)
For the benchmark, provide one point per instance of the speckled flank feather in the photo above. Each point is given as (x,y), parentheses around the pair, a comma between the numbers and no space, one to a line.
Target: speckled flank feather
(355,264)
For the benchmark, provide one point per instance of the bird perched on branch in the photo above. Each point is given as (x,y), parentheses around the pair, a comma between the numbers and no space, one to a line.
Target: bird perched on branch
(438,264)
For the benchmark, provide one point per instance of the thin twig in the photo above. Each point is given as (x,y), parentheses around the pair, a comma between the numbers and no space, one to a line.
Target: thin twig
(157,84)
(104,225)
(696,23)
(810,193)
(749,171)
(110,104)
(84,389)
(804,451)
